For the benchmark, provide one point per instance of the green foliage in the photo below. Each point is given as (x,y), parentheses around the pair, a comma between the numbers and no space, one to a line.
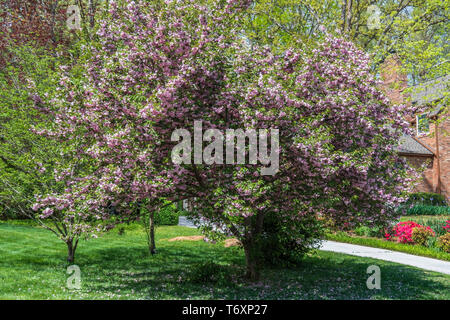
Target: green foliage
(421,236)
(432,242)
(417,31)
(167,216)
(286,23)
(444,242)
(26,159)
(369,232)
(425,203)
(285,243)
(426,199)
(425,210)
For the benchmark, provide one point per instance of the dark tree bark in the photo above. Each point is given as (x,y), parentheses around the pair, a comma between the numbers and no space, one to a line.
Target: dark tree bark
(71,248)
(152,245)
(344,14)
(252,262)
(349,16)
(252,248)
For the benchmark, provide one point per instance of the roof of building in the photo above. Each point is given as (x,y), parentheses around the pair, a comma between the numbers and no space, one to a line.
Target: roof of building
(409,145)
(426,93)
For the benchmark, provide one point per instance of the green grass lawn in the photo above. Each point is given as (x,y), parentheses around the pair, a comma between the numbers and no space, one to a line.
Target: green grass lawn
(422,218)
(32,266)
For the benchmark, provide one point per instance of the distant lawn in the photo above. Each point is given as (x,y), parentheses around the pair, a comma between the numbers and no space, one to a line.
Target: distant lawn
(32,266)
(430,218)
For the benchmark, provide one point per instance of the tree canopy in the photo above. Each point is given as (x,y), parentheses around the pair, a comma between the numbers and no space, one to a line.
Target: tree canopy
(159,67)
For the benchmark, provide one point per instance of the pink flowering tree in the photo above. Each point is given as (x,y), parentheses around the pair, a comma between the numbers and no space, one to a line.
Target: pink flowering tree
(163,66)
(70,218)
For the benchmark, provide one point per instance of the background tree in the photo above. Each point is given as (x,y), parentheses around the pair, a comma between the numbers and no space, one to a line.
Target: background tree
(417,30)
(26,159)
(35,42)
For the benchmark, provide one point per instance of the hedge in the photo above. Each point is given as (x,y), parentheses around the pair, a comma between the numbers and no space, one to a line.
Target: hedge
(167,216)
(426,199)
(426,210)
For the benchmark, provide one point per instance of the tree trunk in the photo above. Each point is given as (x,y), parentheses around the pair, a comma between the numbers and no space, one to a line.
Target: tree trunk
(152,245)
(252,248)
(92,9)
(252,262)
(344,15)
(349,17)
(71,248)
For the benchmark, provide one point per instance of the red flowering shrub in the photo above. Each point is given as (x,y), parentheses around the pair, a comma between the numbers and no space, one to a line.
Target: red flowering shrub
(447,226)
(404,231)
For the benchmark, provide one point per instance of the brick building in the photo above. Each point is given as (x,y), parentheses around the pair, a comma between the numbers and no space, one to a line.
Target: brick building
(431,142)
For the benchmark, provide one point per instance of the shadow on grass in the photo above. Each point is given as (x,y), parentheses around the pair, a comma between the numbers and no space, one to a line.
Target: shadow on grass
(322,275)
(121,267)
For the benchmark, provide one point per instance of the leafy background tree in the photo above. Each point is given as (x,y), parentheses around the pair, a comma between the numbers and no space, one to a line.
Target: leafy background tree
(35,43)
(417,30)
(26,159)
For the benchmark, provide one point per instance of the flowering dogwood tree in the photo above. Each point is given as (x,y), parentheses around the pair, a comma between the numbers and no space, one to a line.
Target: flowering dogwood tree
(163,66)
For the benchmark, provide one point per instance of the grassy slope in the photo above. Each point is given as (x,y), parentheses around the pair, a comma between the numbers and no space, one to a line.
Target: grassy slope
(32,266)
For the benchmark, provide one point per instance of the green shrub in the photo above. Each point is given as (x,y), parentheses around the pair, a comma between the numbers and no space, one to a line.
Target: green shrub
(426,198)
(420,236)
(437,226)
(444,242)
(167,216)
(286,243)
(370,232)
(432,242)
(427,210)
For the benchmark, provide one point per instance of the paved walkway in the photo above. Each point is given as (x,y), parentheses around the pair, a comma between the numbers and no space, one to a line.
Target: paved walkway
(388,255)
(369,252)
(184,222)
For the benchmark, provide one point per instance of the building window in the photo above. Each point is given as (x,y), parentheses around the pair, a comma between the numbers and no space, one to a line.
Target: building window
(422,124)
